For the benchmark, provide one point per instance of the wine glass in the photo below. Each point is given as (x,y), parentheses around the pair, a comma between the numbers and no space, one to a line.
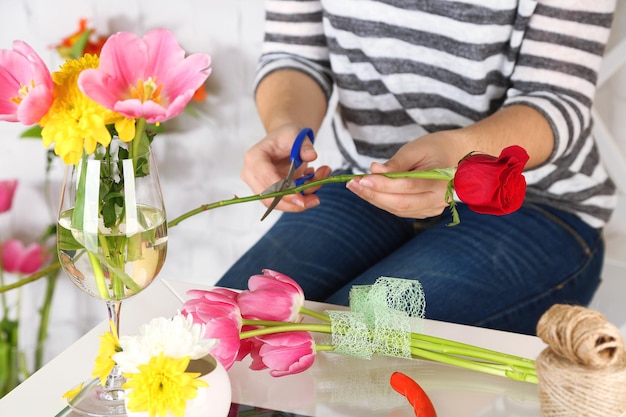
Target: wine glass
(111,242)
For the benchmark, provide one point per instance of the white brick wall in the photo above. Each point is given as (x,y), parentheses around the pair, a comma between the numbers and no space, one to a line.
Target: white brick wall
(200,165)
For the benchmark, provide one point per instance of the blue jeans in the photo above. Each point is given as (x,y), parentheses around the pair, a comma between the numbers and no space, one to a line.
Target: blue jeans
(500,272)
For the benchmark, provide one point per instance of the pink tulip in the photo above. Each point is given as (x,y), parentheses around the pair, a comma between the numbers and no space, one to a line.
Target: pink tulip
(284,353)
(272,296)
(7,191)
(228,293)
(20,259)
(222,319)
(145,77)
(25,85)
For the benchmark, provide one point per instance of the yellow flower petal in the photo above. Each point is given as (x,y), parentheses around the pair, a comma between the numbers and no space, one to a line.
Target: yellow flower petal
(74,122)
(162,386)
(73,392)
(109,345)
(125,129)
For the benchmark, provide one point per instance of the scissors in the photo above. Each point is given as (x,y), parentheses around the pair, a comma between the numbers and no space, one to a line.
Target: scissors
(288,181)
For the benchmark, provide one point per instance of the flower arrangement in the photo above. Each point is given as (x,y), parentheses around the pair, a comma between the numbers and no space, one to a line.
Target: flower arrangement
(108,92)
(92,96)
(134,82)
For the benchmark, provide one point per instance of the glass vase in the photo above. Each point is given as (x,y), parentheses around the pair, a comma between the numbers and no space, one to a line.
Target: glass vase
(111,242)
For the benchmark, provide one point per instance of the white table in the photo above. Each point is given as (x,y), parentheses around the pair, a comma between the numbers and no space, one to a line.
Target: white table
(334,386)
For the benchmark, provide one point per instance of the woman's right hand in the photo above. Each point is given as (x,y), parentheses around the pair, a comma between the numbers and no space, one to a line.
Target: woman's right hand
(268,162)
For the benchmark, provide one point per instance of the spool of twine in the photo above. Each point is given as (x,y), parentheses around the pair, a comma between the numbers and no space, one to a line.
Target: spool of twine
(582,372)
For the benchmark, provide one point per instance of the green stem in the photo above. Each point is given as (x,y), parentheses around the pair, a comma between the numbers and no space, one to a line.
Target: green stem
(315,314)
(457,348)
(99,276)
(31,278)
(324,348)
(140,133)
(285,327)
(46,308)
(495,360)
(446,174)
(474,365)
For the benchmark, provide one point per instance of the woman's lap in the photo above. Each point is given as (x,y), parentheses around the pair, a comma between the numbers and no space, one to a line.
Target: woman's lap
(493,271)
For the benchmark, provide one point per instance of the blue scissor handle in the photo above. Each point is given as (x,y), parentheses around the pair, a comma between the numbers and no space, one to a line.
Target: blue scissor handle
(302,179)
(297,146)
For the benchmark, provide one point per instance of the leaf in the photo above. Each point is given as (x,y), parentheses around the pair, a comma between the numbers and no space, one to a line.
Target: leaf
(66,240)
(76,51)
(79,209)
(33,132)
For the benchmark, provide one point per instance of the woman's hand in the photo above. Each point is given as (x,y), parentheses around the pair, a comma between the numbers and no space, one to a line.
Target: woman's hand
(408,197)
(268,162)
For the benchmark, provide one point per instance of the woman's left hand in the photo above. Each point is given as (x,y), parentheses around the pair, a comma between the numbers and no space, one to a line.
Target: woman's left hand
(410,197)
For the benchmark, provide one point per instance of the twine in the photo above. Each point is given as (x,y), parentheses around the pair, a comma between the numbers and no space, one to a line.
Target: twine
(582,372)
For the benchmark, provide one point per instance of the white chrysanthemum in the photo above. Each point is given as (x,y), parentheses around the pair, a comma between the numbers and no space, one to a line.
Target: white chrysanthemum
(176,337)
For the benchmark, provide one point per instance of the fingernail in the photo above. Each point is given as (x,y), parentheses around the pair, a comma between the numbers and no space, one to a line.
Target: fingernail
(366,183)
(354,185)
(313,203)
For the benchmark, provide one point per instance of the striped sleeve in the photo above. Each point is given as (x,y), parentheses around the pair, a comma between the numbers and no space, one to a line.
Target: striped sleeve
(294,39)
(559,58)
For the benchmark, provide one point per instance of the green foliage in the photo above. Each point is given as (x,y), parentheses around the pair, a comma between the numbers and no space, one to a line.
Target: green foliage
(33,132)
(79,46)
(9,377)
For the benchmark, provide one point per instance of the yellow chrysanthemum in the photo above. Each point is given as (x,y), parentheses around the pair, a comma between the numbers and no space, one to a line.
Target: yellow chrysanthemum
(162,386)
(74,122)
(109,345)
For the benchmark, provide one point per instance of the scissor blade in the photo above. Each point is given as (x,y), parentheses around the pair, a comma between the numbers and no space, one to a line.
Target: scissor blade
(281,185)
(277,186)
(271,207)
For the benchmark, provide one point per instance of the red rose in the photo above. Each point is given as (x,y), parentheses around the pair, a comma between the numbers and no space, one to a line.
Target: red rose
(491,185)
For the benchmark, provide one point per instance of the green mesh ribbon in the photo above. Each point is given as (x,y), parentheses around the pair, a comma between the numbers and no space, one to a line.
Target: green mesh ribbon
(350,334)
(380,318)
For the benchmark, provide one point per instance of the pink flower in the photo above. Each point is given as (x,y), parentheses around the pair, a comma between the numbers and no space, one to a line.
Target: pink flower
(222,319)
(272,296)
(228,293)
(25,85)
(145,77)
(285,353)
(23,260)
(7,190)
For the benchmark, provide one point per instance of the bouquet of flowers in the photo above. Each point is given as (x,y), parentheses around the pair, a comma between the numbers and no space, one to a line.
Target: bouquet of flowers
(266,323)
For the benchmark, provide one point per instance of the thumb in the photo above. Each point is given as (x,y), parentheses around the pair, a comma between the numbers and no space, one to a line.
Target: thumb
(392,165)
(308,152)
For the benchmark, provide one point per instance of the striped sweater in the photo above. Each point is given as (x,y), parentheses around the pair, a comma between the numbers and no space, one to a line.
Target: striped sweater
(405,68)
